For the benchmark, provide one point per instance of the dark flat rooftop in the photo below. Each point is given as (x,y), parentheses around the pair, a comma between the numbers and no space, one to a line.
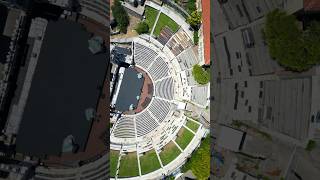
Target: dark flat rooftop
(66,82)
(131,87)
(4,41)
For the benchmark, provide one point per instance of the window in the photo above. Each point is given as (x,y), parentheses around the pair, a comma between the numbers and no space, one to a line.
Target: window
(258,9)
(238,55)
(239,10)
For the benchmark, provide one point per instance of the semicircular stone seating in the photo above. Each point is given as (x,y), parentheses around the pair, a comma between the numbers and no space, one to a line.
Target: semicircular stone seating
(124,128)
(159,69)
(164,88)
(160,109)
(145,123)
(143,55)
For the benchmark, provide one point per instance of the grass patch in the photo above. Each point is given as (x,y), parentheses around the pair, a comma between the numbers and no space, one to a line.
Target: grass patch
(129,165)
(199,163)
(192,125)
(151,16)
(149,162)
(114,156)
(163,21)
(311,145)
(169,153)
(184,137)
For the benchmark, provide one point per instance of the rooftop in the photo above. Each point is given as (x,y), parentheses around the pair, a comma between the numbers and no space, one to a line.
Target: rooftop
(66,83)
(4,40)
(230,138)
(311,5)
(206,29)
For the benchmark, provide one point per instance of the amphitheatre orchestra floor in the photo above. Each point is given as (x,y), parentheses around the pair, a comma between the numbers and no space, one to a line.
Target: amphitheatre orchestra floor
(146,93)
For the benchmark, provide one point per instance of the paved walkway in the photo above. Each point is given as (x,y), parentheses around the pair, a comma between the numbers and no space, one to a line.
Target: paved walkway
(155,23)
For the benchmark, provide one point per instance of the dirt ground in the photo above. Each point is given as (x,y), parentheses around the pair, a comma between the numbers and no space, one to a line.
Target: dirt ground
(131,32)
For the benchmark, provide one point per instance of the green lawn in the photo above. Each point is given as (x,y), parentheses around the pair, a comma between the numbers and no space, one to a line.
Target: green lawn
(151,16)
(149,162)
(114,156)
(192,125)
(184,137)
(129,165)
(199,163)
(163,21)
(169,153)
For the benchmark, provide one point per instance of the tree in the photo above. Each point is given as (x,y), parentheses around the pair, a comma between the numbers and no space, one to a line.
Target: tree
(135,3)
(291,47)
(120,15)
(312,42)
(196,37)
(201,75)
(142,28)
(199,163)
(191,6)
(195,20)
(142,2)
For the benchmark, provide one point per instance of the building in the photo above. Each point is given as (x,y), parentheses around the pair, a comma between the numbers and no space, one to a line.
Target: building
(231,139)
(97,10)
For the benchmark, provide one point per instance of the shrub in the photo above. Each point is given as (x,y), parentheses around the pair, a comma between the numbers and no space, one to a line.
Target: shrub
(311,145)
(201,75)
(195,20)
(142,28)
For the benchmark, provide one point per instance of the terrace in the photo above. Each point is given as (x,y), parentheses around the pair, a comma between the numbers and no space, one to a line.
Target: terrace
(149,162)
(114,156)
(129,165)
(184,138)
(169,153)
(165,21)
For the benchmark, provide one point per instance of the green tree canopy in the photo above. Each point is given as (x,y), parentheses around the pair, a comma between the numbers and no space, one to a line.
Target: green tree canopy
(120,15)
(199,162)
(195,19)
(142,28)
(201,75)
(293,48)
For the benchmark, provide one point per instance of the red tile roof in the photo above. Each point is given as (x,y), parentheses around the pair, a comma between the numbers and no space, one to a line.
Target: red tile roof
(311,5)
(206,29)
